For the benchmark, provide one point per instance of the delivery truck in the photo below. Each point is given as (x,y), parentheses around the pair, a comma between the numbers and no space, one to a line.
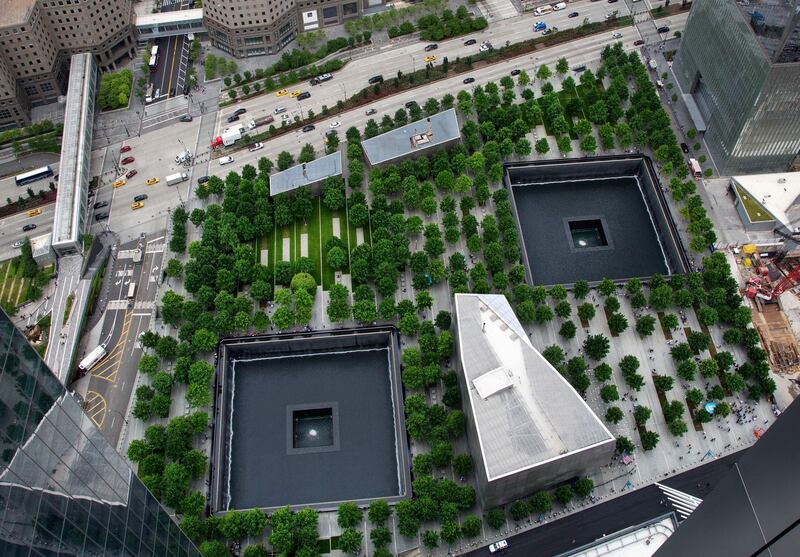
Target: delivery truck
(173,179)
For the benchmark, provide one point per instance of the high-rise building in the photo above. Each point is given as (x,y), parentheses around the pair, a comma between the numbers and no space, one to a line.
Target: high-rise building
(259,27)
(739,63)
(63,489)
(37,38)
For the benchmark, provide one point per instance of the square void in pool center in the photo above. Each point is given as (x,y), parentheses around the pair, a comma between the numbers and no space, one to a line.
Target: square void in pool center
(310,429)
(587,229)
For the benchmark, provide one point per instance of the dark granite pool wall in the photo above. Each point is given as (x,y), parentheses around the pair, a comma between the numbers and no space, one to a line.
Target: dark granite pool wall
(291,344)
(637,165)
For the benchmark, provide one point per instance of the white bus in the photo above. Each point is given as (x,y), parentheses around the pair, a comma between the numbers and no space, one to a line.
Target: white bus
(92,358)
(131,290)
(33,176)
(153,59)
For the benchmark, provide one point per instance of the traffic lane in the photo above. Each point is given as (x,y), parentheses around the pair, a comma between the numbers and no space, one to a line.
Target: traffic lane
(9,188)
(175,68)
(11,229)
(582,52)
(561,535)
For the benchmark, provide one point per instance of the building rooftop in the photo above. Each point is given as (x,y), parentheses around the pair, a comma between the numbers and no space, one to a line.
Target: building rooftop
(15,12)
(637,541)
(770,197)
(524,411)
(306,174)
(40,245)
(414,137)
(175,16)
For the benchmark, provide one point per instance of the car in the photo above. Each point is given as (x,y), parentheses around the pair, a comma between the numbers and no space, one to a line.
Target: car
(573,14)
(225,160)
(469,80)
(611,15)
(579,69)
(239,111)
(202,179)
(663,29)
(470,42)
(119,183)
(334,124)
(308,127)
(251,125)
(485,46)
(101,216)
(34,212)
(125,148)
(137,205)
(375,79)
(325,77)
(612,1)
(131,173)
(498,546)
(285,116)
(304,95)
(410,104)
(100,205)
(515,72)
(127,160)
(616,35)
(28,227)
(186,118)
(539,26)
(279,109)
(140,197)
(152,181)
(684,148)
(638,42)
(372,111)
(233,118)
(17,244)
(294,94)
(281,93)
(313,81)
(431,47)
(429,59)
(256,147)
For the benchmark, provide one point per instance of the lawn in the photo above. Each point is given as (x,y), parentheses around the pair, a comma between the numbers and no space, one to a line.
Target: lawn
(13,288)
(326,228)
(289,232)
(755,211)
(312,229)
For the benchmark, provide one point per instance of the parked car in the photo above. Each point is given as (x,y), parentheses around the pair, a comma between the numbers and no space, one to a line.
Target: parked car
(573,14)
(140,197)
(469,80)
(202,179)
(186,118)
(334,124)
(28,227)
(684,148)
(308,127)
(663,29)
(279,109)
(375,79)
(470,42)
(101,216)
(431,47)
(616,35)
(409,104)
(127,160)
(125,148)
(131,173)
(371,111)
(100,204)
(612,1)
(256,147)
(485,46)
(515,71)
(233,118)
(281,93)
(303,95)
(17,244)
(239,111)
(225,160)
(498,546)
(638,42)
(539,26)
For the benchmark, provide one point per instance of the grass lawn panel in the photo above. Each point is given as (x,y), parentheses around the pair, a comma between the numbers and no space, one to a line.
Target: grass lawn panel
(326,230)
(314,235)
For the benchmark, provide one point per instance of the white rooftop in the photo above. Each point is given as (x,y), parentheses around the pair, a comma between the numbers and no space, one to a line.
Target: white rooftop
(414,137)
(525,412)
(778,193)
(633,542)
(161,18)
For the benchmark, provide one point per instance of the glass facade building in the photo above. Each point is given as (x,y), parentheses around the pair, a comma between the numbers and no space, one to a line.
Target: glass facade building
(64,491)
(741,65)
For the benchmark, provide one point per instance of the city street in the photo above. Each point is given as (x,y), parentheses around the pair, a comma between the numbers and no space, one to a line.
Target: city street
(171,74)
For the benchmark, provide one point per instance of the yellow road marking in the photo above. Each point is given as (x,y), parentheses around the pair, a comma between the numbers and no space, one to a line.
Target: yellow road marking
(172,66)
(95,407)
(108,369)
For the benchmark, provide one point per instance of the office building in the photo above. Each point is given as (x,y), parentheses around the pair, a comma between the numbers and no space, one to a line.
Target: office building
(739,69)
(37,38)
(258,27)
(63,489)
(527,427)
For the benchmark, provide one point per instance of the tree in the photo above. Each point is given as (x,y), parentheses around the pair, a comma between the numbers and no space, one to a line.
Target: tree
(583,487)
(586,311)
(614,415)
(663,383)
(379,512)
(174,268)
(568,330)
(596,346)
(708,368)
(580,289)
(541,502)
(677,427)
(617,323)
(564,494)
(462,464)
(698,341)
(519,510)
(450,532)
(176,483)
(562,66)
(641,414)
(496,518)
(650,440)
(430,539)
(543,72)
(349,515)
(337,258)
(609,393)
(603,372)
(204,340)
(350,541)
(646,325)
(471,527)
(681,351)
(148,364)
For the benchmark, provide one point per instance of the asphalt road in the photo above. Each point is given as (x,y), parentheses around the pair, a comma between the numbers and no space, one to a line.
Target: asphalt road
(112,380)
(171,72)
(639,506)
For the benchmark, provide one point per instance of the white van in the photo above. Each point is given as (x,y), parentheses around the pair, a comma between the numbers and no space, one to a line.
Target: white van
(541,10)
(560,6)
(225,160)
(498,546)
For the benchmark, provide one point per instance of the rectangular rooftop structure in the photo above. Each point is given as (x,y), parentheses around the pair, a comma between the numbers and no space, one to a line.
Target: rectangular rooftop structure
(439,130)
(310,174)
(76,150)
(527,427)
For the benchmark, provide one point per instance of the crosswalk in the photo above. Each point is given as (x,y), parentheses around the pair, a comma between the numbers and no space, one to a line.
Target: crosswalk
(123,304)
(683,503)
(496,10)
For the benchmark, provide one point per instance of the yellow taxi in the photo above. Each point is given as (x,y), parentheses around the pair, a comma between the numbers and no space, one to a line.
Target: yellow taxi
(119,183)
(34,212)
(295,94)
(281,93)
(137,205)
(151,181)
(430,58)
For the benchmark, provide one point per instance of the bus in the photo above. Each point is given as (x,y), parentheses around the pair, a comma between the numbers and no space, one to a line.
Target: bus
(131,290)
(694,168)
(92,358)
(153,59)
(33,176)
